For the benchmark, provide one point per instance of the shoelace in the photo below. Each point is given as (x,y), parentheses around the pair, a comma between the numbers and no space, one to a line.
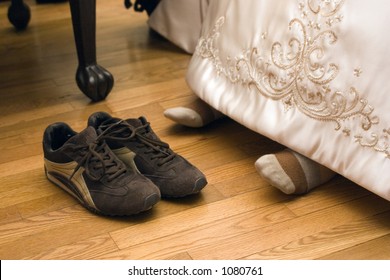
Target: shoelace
(123,131)
(98,161)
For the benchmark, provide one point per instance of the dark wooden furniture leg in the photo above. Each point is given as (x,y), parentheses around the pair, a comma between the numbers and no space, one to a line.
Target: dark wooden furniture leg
(19,14)
(92,79)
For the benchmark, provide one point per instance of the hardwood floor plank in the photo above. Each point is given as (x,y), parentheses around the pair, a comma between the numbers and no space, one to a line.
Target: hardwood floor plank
(82,250)
(286,232)
(192,218)
(205,234)
(21,165)
(337,242)
(9,215)
(180,256)
(374,249)
(74,224)
(24,187)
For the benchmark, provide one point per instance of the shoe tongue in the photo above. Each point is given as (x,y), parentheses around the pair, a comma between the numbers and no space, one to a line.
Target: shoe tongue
(86,136)
(110,121)
(106,124)
(148,130)
(136,122)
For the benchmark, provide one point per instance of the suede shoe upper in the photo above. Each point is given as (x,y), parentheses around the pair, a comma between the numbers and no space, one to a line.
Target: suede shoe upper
(84,166)
(173,174)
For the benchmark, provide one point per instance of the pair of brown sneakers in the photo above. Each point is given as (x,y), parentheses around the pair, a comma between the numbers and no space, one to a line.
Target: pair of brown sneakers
(117,167)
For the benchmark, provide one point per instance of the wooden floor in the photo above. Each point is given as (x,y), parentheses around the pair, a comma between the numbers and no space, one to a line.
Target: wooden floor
(237,216)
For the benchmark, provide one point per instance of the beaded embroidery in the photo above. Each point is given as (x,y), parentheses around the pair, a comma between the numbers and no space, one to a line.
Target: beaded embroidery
(294,74)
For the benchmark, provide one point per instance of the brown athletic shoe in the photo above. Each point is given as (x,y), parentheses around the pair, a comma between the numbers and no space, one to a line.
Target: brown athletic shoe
(83,165)
(173,174)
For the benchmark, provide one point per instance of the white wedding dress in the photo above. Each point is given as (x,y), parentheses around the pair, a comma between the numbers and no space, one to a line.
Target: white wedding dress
(313,75)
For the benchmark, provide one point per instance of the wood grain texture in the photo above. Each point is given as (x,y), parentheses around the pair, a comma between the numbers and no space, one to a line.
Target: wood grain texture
(237,216)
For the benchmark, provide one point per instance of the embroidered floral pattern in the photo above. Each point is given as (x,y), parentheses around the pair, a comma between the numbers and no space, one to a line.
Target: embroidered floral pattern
(295,73)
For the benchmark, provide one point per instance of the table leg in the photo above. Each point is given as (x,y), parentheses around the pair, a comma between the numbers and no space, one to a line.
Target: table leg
(19,14)
(92,79)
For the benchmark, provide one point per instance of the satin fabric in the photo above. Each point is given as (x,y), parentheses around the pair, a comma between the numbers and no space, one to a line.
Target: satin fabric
(179,21)
(309,74)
